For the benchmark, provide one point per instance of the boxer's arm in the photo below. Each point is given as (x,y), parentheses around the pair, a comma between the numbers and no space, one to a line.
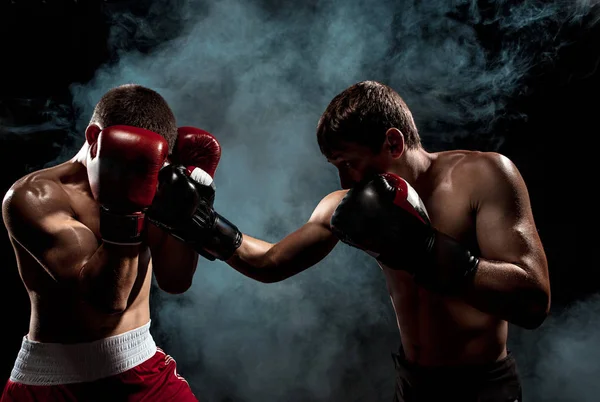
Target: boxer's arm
(174,262)
(296,252)
(38,216)
(512,277)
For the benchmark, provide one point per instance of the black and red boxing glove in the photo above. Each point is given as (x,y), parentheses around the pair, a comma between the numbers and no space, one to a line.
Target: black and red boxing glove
(196,151)
(385,217)
(183,205)
(123,167)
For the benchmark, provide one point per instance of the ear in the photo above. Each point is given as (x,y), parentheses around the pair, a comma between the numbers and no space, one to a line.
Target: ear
(394,140)
(92,132)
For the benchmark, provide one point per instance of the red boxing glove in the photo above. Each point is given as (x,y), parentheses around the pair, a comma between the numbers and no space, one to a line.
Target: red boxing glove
(197,148)
(123,166)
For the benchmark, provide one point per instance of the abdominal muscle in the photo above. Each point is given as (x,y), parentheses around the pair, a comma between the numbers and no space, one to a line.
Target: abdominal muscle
(67,322)
(61,316)
(439,331)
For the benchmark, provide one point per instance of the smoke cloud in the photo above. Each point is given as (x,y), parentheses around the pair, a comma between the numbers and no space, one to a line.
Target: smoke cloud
(258,75)
(559,362)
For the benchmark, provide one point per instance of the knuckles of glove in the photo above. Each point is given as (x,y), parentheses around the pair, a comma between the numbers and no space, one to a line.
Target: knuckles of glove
(369,218)
(359,220)
(198,148)
(178,197)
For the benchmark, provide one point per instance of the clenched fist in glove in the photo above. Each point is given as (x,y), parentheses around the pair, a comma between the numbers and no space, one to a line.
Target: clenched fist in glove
(385,217)
(183,205)
(123,168)
(197,148)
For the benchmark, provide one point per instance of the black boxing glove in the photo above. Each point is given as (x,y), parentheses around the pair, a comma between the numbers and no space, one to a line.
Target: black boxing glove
(183,206)
(385,217)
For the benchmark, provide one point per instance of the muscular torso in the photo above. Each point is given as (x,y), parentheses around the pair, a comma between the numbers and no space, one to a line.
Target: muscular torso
(59,314)
(438,330)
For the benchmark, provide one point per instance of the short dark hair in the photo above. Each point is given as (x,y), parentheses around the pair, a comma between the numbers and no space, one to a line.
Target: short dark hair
(138,106)
(362,114)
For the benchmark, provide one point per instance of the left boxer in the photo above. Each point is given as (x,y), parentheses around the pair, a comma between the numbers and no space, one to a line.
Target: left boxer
(86,254)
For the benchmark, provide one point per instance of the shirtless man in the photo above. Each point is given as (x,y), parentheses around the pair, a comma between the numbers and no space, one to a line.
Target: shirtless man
(86,253)
(453,233)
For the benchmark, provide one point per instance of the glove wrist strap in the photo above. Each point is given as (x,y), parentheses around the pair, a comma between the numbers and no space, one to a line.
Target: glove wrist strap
(222,241)
(450,266)
(218,239)
(121,229)
(440,263)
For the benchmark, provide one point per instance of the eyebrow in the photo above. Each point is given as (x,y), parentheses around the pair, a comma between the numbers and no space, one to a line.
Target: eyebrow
(334,155)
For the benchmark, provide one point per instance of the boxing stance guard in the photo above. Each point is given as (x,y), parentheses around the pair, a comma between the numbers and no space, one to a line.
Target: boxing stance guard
(86,252)
(385,217)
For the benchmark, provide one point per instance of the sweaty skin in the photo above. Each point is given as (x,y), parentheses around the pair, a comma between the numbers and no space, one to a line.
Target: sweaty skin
(479,199)
(80,289)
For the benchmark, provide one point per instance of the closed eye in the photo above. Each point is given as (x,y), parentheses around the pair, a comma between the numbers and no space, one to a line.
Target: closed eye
(340,163)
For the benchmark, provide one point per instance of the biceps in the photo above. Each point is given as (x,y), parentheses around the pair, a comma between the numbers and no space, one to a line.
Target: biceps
(507,236)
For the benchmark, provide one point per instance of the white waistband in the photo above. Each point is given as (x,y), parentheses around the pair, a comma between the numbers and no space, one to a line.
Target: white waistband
(55,363)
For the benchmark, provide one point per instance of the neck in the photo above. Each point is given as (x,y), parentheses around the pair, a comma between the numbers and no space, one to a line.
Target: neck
(413,165)
(81,156)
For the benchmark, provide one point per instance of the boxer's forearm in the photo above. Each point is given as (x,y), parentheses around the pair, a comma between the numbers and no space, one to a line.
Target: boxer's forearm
(266,262)
(106,280)
(176,253)
(293,254)
(508,291)
(174,262)
(252,259)
(503,289)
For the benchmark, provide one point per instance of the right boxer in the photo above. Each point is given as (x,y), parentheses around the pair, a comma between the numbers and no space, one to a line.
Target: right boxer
(86,253)
(453,233)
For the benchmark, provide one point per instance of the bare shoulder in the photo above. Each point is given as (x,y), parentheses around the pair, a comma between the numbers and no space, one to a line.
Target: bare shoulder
(490,175)
(324,210)
(488,164)
(32,198)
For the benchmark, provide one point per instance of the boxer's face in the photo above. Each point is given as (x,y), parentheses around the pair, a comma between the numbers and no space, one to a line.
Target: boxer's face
(354,162)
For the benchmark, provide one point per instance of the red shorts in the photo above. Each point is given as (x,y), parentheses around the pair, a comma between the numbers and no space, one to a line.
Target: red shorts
(156,379)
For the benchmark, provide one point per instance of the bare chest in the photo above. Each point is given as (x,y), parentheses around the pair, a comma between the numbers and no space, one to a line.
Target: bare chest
(86,210)
(450,211)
